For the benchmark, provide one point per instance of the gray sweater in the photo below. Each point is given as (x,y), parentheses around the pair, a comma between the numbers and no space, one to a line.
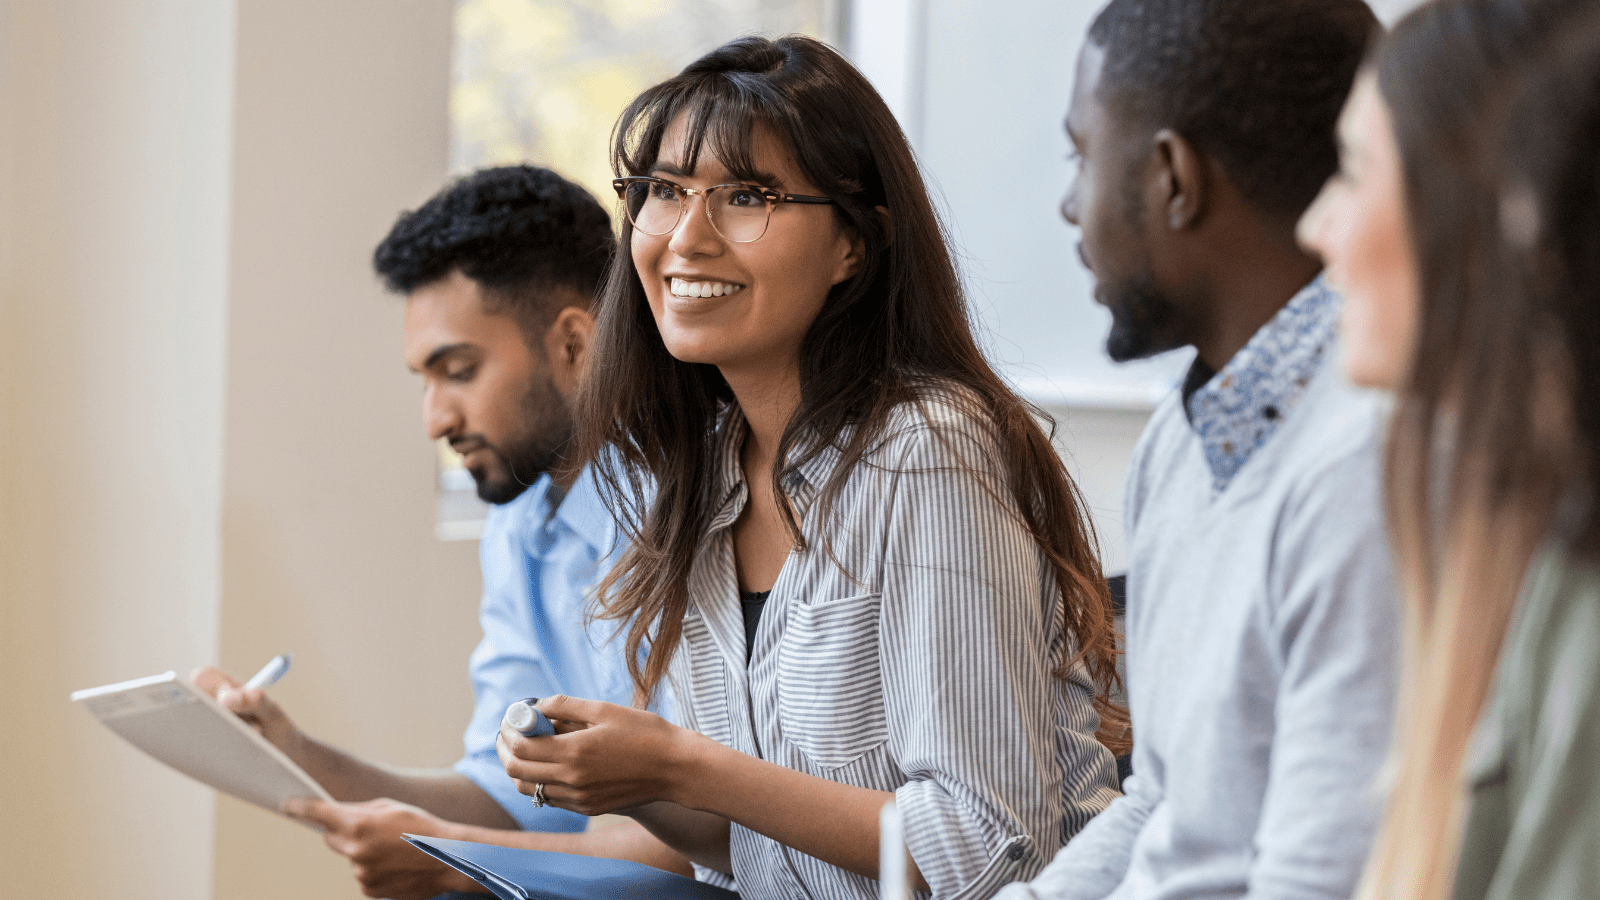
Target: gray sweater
(1262,643)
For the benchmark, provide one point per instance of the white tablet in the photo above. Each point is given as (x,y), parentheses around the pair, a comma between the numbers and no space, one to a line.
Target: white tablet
(186,728)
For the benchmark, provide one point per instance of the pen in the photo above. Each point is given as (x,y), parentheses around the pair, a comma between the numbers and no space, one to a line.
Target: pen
(270,673)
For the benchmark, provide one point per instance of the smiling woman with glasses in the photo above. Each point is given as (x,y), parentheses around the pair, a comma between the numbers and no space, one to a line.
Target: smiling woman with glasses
(856,558)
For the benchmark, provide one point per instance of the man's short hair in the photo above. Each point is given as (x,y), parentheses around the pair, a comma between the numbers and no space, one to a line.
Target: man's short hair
(530,238)
(1256,85)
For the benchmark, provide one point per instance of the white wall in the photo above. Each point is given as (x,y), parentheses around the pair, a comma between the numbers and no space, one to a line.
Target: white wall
(981,89)
(1096,444)
(1390,11)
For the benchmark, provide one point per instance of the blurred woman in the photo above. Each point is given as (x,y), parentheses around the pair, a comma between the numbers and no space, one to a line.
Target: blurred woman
(1464,225)
(862,564)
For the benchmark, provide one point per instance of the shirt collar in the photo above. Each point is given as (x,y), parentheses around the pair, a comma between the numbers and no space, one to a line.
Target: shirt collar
(801,485)
(729,482)
(583,511)
(1236,410)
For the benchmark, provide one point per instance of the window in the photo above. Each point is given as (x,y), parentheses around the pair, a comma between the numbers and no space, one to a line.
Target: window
(543,81)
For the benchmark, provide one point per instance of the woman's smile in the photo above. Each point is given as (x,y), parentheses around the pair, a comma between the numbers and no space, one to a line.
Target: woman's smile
(685,288)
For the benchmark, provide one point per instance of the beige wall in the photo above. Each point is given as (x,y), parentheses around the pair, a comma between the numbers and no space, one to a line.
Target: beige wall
(113,206)
(327,526)
(209,447)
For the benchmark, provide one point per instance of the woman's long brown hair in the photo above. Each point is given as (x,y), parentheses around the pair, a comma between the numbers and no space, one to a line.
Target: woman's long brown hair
(900,324)
(1492,422)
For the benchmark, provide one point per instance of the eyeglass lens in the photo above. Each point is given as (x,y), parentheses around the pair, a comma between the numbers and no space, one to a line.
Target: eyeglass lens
(738,213)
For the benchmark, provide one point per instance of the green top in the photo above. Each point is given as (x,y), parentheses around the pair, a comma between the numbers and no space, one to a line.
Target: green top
(1533,828)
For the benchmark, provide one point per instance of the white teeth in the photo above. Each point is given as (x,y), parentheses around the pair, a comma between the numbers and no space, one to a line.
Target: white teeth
(684,288)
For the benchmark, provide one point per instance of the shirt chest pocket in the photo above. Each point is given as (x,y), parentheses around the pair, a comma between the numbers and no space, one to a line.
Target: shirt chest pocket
(830,686)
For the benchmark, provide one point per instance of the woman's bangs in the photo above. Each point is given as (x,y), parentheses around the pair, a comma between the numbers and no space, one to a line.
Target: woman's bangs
(720,119)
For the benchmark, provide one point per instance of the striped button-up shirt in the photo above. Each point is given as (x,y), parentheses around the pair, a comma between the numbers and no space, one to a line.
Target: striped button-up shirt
(916,657)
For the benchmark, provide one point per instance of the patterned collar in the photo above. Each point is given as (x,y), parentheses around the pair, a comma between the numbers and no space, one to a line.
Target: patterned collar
(1236,410)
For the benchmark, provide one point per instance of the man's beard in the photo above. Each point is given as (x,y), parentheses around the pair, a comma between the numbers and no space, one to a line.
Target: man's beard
(1142,321)
(536,449)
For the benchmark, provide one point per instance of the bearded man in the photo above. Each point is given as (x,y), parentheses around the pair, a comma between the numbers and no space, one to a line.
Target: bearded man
(498,272)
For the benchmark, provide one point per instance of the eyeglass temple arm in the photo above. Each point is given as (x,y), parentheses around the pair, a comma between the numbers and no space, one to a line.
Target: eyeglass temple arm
(802,198)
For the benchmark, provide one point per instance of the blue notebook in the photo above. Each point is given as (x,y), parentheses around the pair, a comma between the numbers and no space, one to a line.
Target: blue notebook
(513,874)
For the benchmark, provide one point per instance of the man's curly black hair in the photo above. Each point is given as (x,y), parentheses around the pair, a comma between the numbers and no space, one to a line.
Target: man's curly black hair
(1256,84)
(530,238)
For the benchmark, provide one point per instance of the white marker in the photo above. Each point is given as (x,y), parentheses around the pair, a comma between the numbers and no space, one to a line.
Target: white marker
(270,673)
(892,882)
(527,721)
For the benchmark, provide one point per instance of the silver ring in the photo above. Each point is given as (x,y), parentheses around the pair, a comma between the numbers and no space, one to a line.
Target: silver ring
(538,794)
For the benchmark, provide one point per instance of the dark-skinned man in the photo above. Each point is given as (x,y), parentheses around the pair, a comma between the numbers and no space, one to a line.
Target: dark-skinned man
(1261,615)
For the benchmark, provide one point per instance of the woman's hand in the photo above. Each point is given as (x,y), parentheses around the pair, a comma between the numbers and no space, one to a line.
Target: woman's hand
(608,758)
(603,757)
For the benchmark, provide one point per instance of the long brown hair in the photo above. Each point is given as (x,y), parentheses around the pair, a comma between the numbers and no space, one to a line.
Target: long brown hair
(1482,447)
(901,323)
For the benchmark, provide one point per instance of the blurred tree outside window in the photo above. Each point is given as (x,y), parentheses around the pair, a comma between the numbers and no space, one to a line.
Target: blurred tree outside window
(543,81)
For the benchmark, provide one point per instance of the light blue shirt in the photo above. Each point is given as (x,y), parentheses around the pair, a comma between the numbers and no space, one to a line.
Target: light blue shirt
(540,566)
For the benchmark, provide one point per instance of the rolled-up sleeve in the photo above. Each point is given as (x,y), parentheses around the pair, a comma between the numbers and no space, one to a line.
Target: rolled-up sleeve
(1001,754)
(1092,864)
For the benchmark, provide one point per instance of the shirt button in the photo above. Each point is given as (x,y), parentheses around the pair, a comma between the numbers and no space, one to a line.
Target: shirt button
(1016,853)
